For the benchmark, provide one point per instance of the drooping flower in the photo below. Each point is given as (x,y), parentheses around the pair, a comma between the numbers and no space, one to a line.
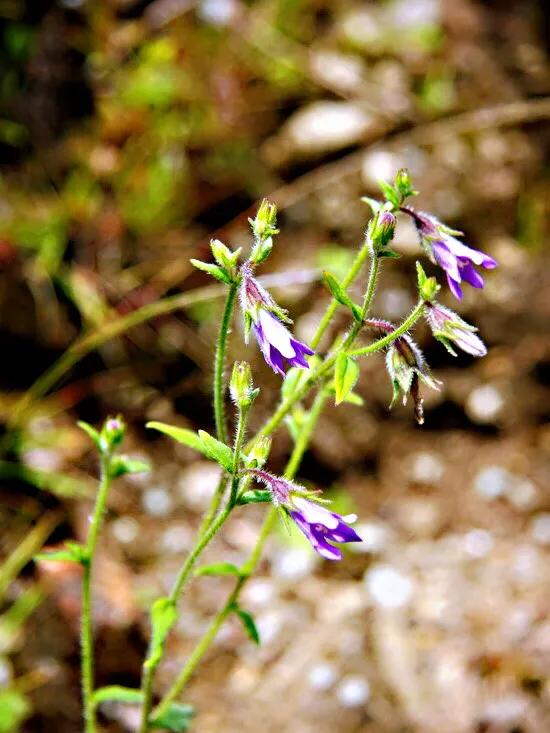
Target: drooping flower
(453,256)
(320,526)
(449,328)
(266,318)
(406,367)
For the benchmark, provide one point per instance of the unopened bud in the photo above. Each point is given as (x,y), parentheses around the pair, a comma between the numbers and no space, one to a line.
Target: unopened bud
(382,229)
(260,451)
(241,386)
(428,287)
(112,433)
(223,255)
(403,183)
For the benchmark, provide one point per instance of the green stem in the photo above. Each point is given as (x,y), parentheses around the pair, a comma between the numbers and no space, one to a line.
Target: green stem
(86,632)
(219,364)
(249,565)
(399,331)
(333,305)
(205,536)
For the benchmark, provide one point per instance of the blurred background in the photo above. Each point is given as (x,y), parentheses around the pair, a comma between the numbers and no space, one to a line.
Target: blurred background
(130,133)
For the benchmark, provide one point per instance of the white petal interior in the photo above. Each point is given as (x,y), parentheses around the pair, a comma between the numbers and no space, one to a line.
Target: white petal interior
(276,334)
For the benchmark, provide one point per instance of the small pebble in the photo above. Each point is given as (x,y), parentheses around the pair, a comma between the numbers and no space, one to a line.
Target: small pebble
(294,563)
(484,404)
(491,482)
(322,676)
(388,587)
(353,691)
(157,502)
(125,530)
(427,468)
(478,542)
(540,528)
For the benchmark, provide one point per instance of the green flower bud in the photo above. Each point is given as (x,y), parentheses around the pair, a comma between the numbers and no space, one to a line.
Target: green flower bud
(241,386)
(259,453)
(112,433)
(428,287)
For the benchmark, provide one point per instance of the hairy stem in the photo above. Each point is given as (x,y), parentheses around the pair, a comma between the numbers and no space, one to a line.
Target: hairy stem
(249,565)
(86,631)
(219,364)
(399,331)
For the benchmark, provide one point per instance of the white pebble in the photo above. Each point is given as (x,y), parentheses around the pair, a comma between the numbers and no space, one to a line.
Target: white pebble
(197,484)
(522,493)
(484,403)
(218,12)
(478,542)
(353,691)
(157,501)
(492,482)
(259,592)
(388,587)
(375,538)
(125,530)
(294,563)
(322,676)
(427,468)
(379,165)
(540,528)
(176,539)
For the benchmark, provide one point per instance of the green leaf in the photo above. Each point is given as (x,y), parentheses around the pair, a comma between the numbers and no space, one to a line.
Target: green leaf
(339,294)
(176,719)
(91,432)
(352,398)
(71,552)
(218,272)
(117,693)
(255,496)
(389,253)
(121,465)
(375,205)
(221,568)
(248,623)
(163,617)
(14,708)
(216,450)
(203,443)
(390,194)
(180,435)
(346,374)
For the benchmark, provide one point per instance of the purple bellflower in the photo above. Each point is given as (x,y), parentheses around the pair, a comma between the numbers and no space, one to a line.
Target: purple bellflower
(449,328)
(320,526)
(267,319)
(444,249)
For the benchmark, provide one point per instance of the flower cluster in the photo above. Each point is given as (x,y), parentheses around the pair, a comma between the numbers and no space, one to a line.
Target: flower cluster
(320,526)
(453,256)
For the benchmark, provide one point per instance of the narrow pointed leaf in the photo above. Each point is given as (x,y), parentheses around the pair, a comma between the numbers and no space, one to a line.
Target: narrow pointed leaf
(346,374)
(218,272)
(176,719)
(216,450)
(221,568)
(249,624)
(163,617)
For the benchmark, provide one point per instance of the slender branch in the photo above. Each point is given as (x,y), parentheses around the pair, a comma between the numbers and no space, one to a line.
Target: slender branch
(86,631)
(219,364)
(399,331)
(249,565)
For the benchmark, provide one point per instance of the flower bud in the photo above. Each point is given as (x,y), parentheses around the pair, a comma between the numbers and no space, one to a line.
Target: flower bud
(263,228)
(224,256)
(428,287)
(259,453)
(112,433)
(403,183)
(241,386)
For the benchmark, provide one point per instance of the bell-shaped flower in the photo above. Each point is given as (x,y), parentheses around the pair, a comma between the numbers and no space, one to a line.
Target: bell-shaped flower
(320,526)
(449,328)
(266,319)
(453,256)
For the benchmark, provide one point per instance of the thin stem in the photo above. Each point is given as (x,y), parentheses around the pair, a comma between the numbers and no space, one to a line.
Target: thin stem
(333,305)
(86,632)
(239,440)
(391,337)
(249,565)
(219,364)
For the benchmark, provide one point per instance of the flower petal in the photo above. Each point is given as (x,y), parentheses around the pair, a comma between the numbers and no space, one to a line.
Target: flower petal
(471,275)
(454,287)
(446,260)
(277,335)
(316,514)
